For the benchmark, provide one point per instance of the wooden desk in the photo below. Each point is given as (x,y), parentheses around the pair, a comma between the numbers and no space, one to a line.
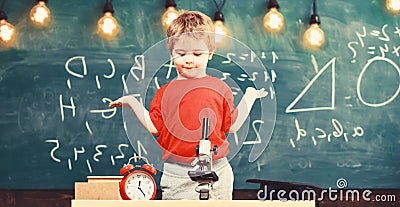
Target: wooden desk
(103,191)
(187,203)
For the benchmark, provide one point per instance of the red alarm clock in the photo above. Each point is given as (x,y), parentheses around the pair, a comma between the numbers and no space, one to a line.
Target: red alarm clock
(138,182)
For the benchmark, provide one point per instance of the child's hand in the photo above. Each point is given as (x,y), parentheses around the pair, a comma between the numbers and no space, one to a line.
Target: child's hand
(122,102)
(253,93)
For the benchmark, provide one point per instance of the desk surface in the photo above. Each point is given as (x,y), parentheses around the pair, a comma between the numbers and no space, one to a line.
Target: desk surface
(191,203)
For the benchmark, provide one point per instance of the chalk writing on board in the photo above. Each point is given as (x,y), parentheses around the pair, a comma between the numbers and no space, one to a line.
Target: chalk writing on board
(71,72)
(138,65)
(243,57)
(248,56)
(63,106)
(229,59)
(55,148)
(97,152)
(88,128)
(379,44)
(259,140)
(318,134)
(331,105)
(348,163)
(364,70)
(365,39)
(300,163)
(105,113)
(77,152)
(258,137)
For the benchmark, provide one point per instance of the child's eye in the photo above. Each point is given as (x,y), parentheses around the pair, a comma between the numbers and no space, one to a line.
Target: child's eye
(197,54)
(181,54)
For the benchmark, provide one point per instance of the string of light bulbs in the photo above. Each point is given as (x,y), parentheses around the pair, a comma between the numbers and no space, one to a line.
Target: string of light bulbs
(7,31)
(107,26)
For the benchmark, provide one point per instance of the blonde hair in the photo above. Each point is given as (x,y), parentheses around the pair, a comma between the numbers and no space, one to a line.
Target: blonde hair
(192,23)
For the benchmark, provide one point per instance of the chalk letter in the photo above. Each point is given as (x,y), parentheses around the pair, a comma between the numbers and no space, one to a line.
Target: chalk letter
(82,58)
(62,106)
(300,132)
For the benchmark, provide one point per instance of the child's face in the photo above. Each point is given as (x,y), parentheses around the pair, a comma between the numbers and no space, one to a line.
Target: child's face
(190,57)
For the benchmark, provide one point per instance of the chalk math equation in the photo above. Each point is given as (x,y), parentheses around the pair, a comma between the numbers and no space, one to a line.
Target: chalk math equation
(381,46)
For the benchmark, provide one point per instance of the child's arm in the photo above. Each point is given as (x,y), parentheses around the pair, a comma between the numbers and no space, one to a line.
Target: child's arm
(140,111)
(245,105)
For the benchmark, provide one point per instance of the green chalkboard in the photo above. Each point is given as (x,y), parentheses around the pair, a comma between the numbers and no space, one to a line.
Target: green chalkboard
(337,108)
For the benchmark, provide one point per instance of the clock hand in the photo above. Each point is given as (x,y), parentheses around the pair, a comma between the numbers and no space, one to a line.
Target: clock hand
(142,192)
(141,189)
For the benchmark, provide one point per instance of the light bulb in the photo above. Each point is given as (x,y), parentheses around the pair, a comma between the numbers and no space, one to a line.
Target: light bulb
(169,16)
(7,33)
(274,20)
(314,37)
(108,26)
(40,14)
(220,31)
(393,5)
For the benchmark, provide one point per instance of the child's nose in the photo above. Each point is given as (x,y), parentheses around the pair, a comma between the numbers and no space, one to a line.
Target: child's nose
(189,58)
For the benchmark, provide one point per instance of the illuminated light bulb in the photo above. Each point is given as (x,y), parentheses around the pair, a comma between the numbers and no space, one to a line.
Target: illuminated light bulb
(314,37)
(169,16)
(7,31)
(393,5)
(107,26)
(274,20)
(220,30)
(40,14)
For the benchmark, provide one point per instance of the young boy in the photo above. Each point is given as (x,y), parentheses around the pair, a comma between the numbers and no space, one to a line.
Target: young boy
(178,108)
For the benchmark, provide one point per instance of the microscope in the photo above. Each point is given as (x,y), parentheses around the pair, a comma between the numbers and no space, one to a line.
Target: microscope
(202,172)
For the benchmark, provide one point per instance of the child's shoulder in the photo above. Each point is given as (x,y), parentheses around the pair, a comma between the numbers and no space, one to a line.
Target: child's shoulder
(218,81)
(218,84)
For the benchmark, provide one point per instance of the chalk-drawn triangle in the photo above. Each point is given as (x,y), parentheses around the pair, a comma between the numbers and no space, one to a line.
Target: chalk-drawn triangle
(330,106)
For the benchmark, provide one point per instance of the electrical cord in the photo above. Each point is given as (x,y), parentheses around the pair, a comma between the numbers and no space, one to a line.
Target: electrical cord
(219,7)
(2,13)
(2,4)
(314,7)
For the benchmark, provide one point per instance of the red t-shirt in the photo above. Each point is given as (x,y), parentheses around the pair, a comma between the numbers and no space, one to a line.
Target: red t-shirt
(177,111)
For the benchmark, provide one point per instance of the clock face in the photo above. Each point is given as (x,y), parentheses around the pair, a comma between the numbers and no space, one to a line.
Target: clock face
(140,186)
